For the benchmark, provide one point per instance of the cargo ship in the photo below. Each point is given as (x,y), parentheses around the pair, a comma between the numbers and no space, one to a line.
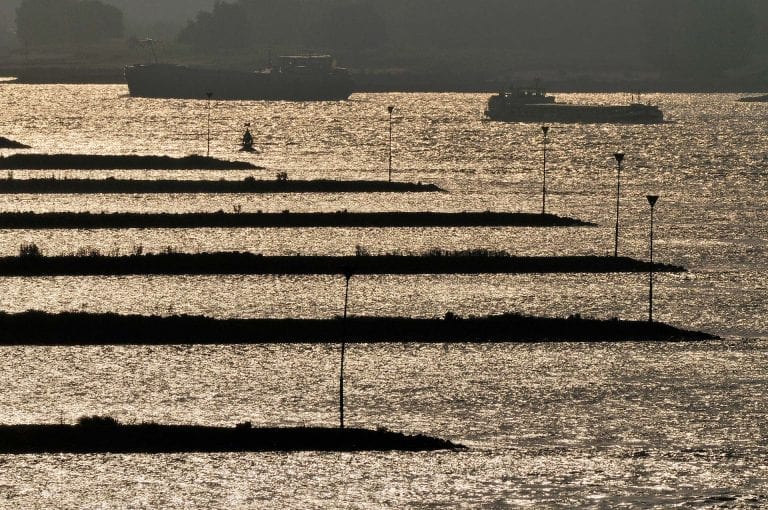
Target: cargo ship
(534,105)
(296,78)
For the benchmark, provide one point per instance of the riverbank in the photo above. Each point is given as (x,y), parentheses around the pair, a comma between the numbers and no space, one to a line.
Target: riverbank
(30,220)
(119,162)
(416,79)
(80,328)
(247,185)
(93,263)
(6,143)
(105,435)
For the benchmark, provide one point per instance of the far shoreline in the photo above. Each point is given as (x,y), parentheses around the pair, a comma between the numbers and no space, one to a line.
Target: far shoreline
(405,82)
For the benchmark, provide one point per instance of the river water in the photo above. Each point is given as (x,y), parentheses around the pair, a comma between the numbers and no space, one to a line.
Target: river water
(567,425)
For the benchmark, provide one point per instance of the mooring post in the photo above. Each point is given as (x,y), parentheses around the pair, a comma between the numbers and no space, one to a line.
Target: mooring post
(208,137)
(347,276)
(619,158)
(652,201)
(390,109)
(545,130)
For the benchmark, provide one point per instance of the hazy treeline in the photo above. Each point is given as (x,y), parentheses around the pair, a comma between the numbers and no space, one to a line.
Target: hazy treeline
(161,19)
(141,18)
(334,24)
(67,21)
(661,43)
(711,34)
(694,34)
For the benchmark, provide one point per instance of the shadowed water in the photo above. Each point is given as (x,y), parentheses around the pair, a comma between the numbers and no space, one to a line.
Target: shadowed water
(548,425)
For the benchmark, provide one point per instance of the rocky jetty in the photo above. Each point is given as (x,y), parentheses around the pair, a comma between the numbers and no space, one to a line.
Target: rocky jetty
(98,434)
(31,263)
(247,185)
(6,143)
(124,162)
(286,219)
(80,328)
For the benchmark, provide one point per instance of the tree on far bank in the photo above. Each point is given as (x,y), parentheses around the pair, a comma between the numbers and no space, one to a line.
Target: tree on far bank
(47,22)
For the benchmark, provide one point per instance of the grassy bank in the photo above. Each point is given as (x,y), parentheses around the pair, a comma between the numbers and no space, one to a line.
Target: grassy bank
(31,263)
(74,328)
(30,220)
(247,185)
(123,162)
(106,435)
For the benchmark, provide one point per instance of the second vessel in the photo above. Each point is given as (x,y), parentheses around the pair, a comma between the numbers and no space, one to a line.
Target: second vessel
(534,105)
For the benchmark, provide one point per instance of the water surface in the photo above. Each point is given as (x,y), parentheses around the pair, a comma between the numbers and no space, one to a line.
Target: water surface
(566,425)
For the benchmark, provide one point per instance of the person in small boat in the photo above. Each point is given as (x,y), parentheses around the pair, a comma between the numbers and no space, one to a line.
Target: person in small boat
(247,139)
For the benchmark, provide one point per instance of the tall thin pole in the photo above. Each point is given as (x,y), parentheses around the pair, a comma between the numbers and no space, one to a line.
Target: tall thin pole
(208,138)
(347,276)
(619,158)
(652,201)
(545,130)
(390,109)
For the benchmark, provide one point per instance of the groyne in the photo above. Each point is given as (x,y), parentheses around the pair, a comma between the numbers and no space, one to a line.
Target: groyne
(121,162)
(247,185)
(434,262)
(6,143)
(105,435)
(286,219)
(81,328)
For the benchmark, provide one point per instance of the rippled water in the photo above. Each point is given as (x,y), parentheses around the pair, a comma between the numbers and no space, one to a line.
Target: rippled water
(548,425)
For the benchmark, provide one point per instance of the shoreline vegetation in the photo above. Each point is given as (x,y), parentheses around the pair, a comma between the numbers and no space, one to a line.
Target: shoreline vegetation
(246,185)
(6,143)
(118,162)
(285,219)
(95,329)
(754,99)
(103,434)
(91,262)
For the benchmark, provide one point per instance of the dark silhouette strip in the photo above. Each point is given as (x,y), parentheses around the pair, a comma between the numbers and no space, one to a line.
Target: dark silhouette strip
(249,263)
(7,143)
(105,435)
(247,185)
(30,220)
(121,162)
(80,328)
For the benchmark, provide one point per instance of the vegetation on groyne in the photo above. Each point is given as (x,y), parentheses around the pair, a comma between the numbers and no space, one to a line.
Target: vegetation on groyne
(80,328)
(247,185)
(286,219)
(122,162)
(102,434)
(754,99)
(6,143)
(30,262)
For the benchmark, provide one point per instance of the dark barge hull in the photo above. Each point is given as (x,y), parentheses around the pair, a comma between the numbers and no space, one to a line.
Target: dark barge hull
(182,82)
(567,113)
